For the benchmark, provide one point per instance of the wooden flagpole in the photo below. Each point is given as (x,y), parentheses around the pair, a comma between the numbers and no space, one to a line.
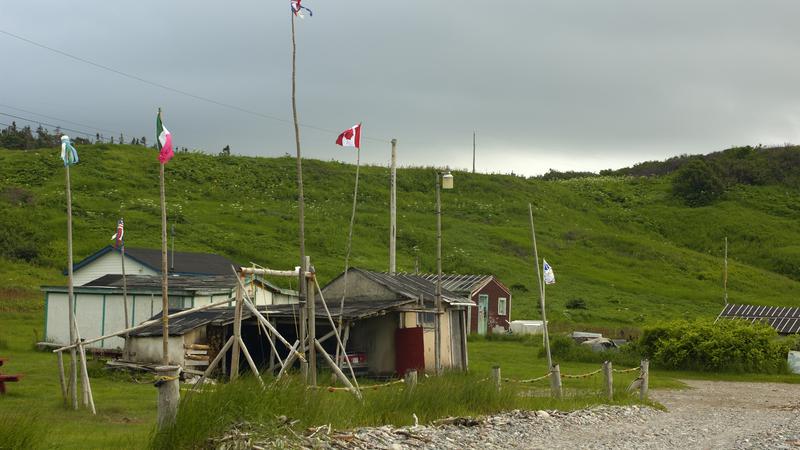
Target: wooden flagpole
(71,298)
(348,248)
(126,352)
(164,267)
(304,344)
(393,213)
(540,280)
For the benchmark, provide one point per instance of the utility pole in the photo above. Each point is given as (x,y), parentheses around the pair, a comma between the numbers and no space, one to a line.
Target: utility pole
(473,151)
(725,272)
(393,213)
(540,280)
(438,302)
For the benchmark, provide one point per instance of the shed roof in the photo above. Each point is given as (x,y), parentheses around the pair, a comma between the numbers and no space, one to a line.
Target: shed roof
(187,263)
(353,310)
(785,320)
(462,284)
(182,282)
(409,286)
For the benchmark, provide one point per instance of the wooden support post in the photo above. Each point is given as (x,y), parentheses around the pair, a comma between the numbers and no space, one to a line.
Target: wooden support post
(289,360)
(237,334)
(337,370)
(608,378)
(496,377)
(555,381)
(250,361)
(411,380)
(220,357)
(61,377)
(88,398)
(312,324)
(645,375)
(272,352)
(169,395)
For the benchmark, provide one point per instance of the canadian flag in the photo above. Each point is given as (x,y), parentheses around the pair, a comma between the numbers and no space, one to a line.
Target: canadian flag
(350,137)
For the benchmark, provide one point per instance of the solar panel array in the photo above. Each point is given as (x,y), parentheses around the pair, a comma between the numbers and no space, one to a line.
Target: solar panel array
(785,320)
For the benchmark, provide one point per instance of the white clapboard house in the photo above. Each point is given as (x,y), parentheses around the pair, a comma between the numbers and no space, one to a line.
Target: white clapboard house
(195,279)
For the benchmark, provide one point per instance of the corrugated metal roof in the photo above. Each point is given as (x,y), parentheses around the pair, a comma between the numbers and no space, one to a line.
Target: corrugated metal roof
(180,282)
(411,286)
(785,320)
(460,284)
(353,310)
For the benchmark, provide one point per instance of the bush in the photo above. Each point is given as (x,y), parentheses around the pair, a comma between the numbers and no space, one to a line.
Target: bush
(697,184)
(728,345)
(564,348)
(576,303)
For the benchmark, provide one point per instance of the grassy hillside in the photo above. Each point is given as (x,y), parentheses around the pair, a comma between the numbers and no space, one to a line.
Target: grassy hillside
(623,244)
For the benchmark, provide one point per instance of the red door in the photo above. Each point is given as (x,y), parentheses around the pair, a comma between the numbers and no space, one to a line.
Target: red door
(409,350)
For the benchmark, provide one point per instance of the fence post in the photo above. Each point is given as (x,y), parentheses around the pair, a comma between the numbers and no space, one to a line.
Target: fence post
(555,381)
(645,375)
(411,380)
(609,379)
(496,377)
(169,394)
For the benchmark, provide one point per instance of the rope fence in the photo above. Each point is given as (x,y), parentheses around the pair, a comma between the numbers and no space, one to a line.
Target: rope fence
(641,383)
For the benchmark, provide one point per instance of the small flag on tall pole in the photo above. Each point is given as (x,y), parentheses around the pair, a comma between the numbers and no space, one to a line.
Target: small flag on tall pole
(165,153)
(350,137)
(70,156)
(119,243)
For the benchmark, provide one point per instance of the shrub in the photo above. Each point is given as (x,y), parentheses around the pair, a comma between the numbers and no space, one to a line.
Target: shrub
(576,303)
(697,184)
(728,345)
(564,348)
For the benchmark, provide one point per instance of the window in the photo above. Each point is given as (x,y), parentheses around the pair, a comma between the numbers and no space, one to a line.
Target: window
(176,302)
(501,306)
(426,319)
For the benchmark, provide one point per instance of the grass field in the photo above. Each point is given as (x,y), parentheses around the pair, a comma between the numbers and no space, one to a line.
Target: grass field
(624,245)
(126,409)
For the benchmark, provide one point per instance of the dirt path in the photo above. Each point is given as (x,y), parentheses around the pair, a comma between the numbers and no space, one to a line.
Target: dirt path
(712,414)
(708,415)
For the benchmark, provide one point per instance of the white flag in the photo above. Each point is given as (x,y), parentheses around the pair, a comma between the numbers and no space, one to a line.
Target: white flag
(549,276)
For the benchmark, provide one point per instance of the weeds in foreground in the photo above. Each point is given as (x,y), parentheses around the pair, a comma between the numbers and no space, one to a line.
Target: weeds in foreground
(211,412)
(19,432)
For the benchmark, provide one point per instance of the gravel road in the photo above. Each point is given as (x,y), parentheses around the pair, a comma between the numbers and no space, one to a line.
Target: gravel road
(709,415)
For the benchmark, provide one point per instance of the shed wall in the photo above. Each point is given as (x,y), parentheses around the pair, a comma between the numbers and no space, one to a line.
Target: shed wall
(110,263)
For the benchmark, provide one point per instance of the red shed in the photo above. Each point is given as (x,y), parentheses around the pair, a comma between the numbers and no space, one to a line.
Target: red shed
(492,312)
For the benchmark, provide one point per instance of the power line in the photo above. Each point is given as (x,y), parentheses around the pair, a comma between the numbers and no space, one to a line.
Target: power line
(48,124)
(59,119)
(171,89)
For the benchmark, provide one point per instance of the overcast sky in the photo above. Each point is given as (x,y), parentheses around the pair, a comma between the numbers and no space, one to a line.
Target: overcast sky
(562,84)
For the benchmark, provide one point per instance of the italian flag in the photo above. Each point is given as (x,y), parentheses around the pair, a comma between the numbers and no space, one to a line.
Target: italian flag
(164,139)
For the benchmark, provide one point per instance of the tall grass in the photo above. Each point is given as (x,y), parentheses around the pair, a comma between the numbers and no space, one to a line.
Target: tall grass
(20,432)
(209,413)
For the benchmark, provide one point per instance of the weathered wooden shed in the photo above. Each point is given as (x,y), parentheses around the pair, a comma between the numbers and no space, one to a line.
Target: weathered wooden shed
(404,338)
(492,310)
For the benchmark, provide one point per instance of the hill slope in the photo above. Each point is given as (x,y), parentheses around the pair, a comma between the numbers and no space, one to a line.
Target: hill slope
(622,244)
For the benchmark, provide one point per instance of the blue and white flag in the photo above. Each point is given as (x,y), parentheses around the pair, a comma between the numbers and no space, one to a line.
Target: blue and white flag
(549,276)
(68,152)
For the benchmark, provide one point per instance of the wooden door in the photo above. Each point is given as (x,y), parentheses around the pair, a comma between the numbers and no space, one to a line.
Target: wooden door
(483,313)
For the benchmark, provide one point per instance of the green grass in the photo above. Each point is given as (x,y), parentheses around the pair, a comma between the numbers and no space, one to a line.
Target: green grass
(125,410)
(210,413)
(623,245)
